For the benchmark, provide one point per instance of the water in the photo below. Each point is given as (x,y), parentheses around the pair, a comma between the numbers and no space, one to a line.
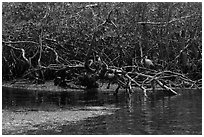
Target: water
(180,114)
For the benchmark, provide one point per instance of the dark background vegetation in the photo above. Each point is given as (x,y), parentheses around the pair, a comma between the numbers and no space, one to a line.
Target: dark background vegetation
(170,34)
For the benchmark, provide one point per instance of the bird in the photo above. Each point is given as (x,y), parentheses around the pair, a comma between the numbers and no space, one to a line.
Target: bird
(147,62)
(109,75)
(88,64)
(98,63)
(98,59)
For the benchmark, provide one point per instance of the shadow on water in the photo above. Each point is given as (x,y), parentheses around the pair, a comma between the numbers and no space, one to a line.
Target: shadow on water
(14,98)
(180,114)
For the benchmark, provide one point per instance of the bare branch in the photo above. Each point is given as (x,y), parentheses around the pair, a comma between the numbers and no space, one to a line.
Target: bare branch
(91,5)
(17,42)
(171,21)
(22,50)
(56,54)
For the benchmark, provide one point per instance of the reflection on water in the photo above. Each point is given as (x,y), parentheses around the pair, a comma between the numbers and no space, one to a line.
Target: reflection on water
(181,114)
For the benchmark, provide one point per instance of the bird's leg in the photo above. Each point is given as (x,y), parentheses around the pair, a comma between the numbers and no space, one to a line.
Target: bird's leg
(108,87)
(117,89)
(153,85)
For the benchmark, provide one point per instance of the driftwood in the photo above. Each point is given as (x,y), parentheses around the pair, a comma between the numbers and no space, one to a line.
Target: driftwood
(164,79)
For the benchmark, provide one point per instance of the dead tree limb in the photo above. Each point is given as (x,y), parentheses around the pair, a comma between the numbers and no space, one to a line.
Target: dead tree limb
(19,49)
(56,54)
(139,85)
(18,42)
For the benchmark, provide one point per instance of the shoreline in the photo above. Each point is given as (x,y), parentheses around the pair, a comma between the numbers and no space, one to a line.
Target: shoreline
(49,86)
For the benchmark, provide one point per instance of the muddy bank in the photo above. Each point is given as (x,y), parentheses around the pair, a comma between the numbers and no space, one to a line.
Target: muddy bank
(31,122)
(49,86)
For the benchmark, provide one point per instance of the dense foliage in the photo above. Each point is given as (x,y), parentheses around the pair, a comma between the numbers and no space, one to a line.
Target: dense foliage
(170,34)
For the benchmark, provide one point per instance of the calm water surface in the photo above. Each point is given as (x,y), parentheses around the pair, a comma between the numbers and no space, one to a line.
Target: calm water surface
(180,114)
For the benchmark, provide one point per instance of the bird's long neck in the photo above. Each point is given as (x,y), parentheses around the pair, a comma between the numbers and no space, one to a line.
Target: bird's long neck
(88,64)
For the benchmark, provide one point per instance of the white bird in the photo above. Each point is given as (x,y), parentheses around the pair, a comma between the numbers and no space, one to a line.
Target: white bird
(98,59)
(110,75)
(147,62)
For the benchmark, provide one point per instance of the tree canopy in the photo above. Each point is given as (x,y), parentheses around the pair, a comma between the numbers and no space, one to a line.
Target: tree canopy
(122,33)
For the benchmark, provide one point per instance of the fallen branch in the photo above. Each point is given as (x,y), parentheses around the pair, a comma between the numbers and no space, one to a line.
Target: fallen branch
(56,54)
(144,89)
(165,87)
(17,42)
(20,49)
